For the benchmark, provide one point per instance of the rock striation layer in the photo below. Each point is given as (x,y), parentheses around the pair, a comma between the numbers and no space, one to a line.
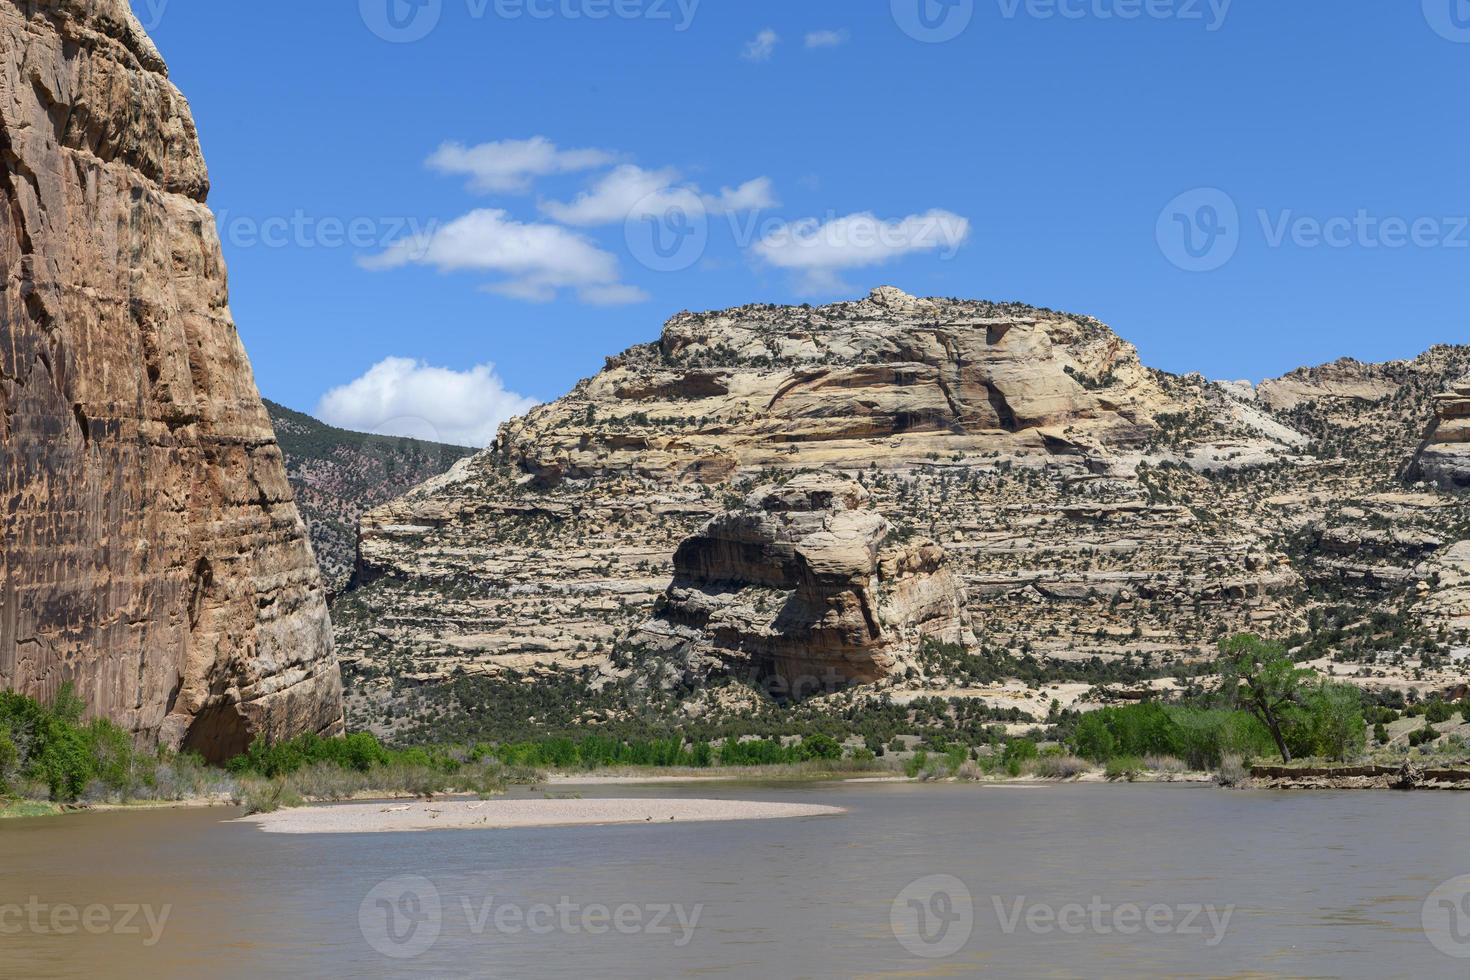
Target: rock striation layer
(1108,522)
(805,589)
(152,554)
(1444,459)
(888,378)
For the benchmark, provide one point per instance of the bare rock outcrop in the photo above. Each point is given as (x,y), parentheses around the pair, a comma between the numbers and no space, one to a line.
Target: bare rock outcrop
(152,554)
(803,587)
(1107,520)
(1444,459)
(1345,379)
(878,381)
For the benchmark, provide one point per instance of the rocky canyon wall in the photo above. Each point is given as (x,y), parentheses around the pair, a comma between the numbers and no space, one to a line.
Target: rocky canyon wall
(1444,459)
(152,553)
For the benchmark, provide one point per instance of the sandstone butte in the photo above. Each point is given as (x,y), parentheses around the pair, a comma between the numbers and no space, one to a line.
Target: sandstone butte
(1088,510)
(152,553)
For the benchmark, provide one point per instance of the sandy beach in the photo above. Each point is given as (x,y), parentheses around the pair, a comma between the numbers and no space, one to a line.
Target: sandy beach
(628,779)
(367,818)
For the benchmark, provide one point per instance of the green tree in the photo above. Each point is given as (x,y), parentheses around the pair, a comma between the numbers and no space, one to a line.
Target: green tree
(1438,712)
(1336,725)
(1259,677)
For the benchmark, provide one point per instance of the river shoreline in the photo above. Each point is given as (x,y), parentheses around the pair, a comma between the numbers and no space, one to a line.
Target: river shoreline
(1408,776)
(1405,777)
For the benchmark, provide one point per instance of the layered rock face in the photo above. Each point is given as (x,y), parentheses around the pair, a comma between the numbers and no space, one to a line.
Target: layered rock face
(1444,459)
(804,589)
(1012,435)
(883,380)
(152,554)
(1104,520)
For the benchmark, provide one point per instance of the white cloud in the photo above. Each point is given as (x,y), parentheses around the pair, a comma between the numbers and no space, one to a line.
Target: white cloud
(826,39)
(537,259)
(632,192)
(615,295)
(628,191)
(817,252)
(404,397)
(753,195)
(511,165)
(763,46)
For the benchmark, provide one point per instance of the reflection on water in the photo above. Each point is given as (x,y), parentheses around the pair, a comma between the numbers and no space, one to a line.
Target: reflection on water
(931,881)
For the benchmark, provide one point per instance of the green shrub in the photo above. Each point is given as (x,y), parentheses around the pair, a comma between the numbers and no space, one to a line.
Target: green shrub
(1423,736)
(1017,753)
(821,747)
(360,752)
(1124,767)
(1438,712)
(112,751)
(1331,723)
(9,756)
(1200,737)
(269,797)
(1134,730)
(48,744)
(1208,737)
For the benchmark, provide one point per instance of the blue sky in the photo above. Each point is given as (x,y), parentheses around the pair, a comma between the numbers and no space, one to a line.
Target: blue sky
(1238,188)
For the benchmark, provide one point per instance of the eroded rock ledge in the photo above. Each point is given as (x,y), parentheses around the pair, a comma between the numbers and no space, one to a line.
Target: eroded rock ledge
(1444,459)
(805,587)
(152,554)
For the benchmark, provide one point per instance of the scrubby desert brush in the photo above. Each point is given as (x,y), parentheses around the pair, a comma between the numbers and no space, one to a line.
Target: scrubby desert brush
(1058,767)
(1124,768)
(1166,764)
(1233,771)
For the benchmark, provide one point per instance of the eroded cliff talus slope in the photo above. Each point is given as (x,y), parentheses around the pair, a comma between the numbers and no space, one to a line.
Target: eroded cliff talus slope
(152,554)
(1108,520)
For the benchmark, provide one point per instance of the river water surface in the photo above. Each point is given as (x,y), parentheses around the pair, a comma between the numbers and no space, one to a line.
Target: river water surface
(913,881)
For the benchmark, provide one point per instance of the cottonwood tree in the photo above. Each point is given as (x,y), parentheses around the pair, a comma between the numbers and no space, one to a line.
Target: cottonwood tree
(1259,677)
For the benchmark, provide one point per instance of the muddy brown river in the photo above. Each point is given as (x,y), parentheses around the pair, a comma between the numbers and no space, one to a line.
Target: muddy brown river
(913,881)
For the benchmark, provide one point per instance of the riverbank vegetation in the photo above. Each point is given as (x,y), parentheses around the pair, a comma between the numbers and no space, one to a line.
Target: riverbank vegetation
(1264,708)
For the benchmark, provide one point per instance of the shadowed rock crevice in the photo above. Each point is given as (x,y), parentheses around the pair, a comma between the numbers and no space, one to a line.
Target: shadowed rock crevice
(218,733)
